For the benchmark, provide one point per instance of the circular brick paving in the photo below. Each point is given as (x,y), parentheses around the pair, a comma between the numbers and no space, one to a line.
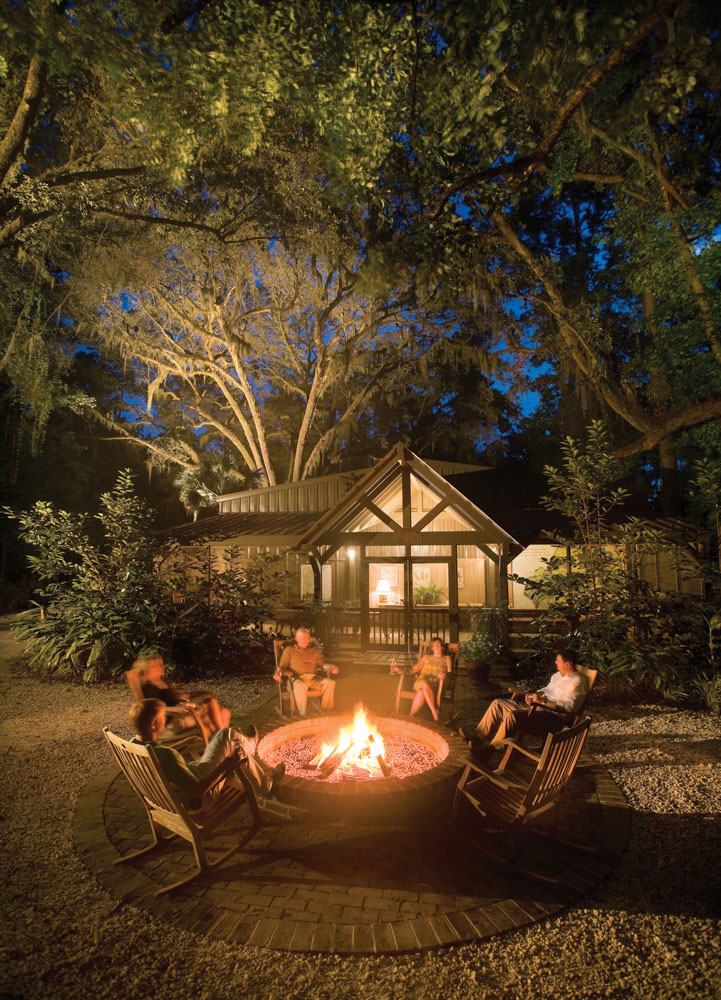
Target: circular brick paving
(361,889)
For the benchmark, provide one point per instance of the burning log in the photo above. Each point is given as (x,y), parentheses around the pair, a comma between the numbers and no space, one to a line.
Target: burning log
(335,760)
(378,756)
(361,746)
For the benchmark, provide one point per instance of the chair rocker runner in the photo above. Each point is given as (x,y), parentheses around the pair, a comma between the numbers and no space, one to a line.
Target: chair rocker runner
(516,802)
(445,698)
(165,810)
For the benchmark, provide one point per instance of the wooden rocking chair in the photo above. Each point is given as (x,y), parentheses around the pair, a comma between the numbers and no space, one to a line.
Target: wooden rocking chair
(166,811)
(516,802)
(446,694)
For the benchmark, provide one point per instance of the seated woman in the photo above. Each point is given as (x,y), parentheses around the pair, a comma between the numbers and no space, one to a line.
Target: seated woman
(431,669)
(153,684)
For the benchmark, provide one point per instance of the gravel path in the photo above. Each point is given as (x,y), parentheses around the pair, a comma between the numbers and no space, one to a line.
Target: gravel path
(650,931)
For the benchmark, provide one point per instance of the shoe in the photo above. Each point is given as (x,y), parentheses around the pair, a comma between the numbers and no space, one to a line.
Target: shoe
(272,779)
(245,740)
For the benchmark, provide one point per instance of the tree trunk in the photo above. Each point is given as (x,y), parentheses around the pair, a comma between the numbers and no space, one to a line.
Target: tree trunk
(669,477)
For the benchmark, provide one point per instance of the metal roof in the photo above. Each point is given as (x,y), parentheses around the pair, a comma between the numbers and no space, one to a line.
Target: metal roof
(223,527)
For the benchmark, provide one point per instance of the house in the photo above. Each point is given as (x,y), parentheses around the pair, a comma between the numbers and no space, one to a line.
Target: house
(402,551)
(396,549)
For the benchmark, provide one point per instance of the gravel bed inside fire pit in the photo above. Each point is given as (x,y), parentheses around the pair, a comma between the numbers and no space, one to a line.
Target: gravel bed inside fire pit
(404,758)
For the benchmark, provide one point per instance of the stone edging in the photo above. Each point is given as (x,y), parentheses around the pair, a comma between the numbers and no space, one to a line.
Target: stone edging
(197,907)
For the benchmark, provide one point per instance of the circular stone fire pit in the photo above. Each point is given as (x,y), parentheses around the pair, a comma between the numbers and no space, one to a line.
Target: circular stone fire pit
(380,800)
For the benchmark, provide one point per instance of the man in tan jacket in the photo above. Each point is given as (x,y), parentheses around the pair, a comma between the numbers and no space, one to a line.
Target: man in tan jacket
(300,662)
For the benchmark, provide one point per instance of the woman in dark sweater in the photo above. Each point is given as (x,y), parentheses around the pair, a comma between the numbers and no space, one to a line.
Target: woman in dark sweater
(152,681)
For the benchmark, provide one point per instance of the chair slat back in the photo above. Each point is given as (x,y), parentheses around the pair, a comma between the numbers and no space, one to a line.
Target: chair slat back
(134,683)
(590,675)
(558,759)
(141,770)
(278,647)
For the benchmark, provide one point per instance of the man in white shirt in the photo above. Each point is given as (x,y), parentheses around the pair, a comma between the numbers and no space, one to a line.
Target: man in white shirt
(564,694)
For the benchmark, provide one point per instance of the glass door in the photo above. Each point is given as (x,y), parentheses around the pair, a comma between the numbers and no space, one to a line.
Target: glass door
(384,620)
(431,599)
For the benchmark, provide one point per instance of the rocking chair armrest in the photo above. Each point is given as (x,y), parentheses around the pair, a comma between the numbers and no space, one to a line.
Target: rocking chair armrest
(201,696)
(517,694)
(187,709)
(513,745)
(230,763)
(498,778)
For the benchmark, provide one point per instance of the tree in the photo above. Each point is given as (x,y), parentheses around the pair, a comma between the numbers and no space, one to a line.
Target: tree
(590,166)
(438,130)
(274,351)
(200,488)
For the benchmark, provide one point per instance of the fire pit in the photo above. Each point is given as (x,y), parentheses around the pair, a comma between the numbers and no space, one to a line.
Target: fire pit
(406,770)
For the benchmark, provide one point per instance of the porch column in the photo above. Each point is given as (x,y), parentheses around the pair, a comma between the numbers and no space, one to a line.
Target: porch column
(504,560)
(317,579)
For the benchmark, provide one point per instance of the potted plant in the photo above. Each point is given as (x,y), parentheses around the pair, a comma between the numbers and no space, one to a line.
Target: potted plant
(428,593)
(480,653)
(487,644)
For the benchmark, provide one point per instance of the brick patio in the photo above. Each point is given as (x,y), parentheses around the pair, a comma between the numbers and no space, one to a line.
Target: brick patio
(357,889)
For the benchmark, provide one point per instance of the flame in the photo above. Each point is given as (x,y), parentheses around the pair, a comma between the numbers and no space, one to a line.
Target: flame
(364,741)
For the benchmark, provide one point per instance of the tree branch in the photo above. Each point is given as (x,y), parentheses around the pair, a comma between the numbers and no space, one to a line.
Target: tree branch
(14,140)
(526,165)
(62,178)
(688,415)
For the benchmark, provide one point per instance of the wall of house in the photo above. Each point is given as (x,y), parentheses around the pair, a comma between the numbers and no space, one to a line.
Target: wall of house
(308,495)
(656,568)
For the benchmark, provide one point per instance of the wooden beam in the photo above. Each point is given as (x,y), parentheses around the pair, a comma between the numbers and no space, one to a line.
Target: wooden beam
(433,512)
(406,496)
(381,515)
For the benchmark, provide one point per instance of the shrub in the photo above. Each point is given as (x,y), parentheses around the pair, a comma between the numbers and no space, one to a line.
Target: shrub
(99,606)
(220,624)
(641,639)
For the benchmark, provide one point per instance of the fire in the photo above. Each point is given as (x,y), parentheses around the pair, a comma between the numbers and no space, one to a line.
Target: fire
(358,746)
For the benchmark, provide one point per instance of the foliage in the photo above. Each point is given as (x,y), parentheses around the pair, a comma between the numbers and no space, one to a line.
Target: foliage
(706,487)
(565,193)
(219,625)
(489,638)
(640,638)
(707,688)
(99,605)
(199,488)
(428,593)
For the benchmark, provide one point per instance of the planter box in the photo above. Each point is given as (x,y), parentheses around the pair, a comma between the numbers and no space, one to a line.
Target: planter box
(478,673)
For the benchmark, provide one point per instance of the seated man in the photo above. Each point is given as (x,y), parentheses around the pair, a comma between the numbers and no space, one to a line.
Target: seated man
(565,693)
(197,780)
(300,662)
(151,671)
